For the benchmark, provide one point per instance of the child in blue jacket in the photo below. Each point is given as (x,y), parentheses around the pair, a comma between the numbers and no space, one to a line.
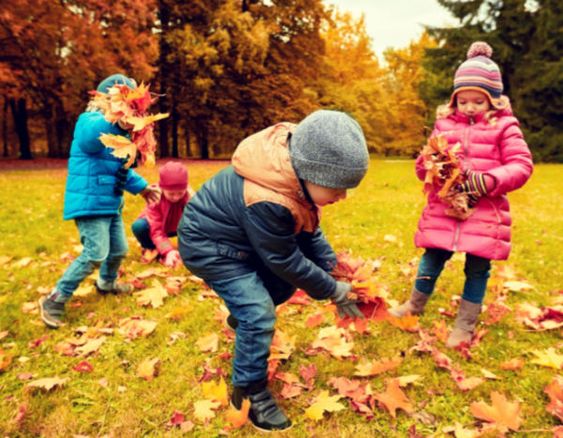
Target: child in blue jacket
(94,199)
(252,233)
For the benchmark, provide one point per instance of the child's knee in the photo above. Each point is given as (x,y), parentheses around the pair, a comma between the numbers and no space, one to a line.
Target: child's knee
(140,227)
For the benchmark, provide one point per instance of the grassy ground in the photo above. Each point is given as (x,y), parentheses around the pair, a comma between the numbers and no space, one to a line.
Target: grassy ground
(388,202)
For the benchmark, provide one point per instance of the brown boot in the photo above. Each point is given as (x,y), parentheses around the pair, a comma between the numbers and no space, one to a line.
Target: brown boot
(465,323)
(414,306)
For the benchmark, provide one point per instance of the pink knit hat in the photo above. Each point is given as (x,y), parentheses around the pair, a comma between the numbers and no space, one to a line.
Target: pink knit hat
(173,176)
(480,73)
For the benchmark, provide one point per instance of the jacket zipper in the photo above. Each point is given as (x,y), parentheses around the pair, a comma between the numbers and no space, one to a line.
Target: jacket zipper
(456,236)
(465,149)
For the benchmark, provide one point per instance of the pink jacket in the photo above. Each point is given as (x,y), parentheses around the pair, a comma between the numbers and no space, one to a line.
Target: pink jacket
(163,218)
(497,147)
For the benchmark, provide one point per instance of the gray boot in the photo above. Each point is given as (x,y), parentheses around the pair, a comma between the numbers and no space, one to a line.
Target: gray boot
(465,323)
(414,306)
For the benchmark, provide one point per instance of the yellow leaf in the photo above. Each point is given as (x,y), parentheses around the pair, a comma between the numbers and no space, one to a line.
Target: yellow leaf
(204,410)
(216,391)
(139,123)
(122,147)
(5,360)
(47,383)
(90,346)
(153,296)
(148,369)
(323,403)
(517,286)
(548,358)
(407,380)
(208,343)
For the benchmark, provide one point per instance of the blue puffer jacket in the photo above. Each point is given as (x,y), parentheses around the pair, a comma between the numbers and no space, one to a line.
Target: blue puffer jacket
(92,171)
(254,215)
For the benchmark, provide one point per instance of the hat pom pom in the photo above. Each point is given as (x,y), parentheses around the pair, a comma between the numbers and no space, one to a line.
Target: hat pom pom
(479,48)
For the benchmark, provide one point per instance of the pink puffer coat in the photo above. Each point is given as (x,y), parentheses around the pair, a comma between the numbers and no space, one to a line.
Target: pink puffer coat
(498,148)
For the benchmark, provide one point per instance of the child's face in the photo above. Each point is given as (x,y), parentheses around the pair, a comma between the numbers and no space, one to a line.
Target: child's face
(472,102)
(324,195)
(173,195)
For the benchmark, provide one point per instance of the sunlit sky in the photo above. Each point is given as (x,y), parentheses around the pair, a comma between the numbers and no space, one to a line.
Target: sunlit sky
(394,23)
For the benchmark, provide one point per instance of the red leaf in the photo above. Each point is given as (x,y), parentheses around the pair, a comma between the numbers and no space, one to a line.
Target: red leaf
(83,367)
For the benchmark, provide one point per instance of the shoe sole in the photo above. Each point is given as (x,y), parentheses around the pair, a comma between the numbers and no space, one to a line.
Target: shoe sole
(49,323)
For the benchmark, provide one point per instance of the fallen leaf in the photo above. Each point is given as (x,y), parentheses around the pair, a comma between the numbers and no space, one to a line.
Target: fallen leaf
(333,340)
(548,358)
(408,323)
(4,334)
(460,432)
(5,360)
(237,418)
(501,413)
(209,343)
(407,380)
(489,375)
(555,392)
(394,398)
(204,410)
(323,403)
(216,391)
(22,263)
(83,367)
(148,369)
(440,330)
(153,296)
(373,368)
(512,364)
(25,376)
(21,414)
(135,327)
(315,320)
(47,383)
(308,374)
(91,346)
(517,286)
(282,346)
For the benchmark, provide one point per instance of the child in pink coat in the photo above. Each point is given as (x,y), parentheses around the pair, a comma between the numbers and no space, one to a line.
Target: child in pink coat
(158,222)
(497,161)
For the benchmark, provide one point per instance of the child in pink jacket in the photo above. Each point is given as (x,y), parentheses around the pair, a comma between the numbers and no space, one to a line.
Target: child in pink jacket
(158,222)
(497,161)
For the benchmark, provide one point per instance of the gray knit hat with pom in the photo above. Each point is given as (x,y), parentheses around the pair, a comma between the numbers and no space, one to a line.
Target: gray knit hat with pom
(328,148)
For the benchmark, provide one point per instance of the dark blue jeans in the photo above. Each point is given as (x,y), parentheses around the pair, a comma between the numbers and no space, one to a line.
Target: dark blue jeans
(252,300)
(477,272)
(142,231)
(104,246)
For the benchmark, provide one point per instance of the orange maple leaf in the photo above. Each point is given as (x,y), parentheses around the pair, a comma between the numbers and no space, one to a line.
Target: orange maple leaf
(122,147)
(237,418)
(408,323)
(394,398)
(555,392)
(504,415)
(373,368)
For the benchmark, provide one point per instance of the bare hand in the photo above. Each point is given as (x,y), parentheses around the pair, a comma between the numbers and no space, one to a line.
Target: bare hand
(172,259)
(152,194)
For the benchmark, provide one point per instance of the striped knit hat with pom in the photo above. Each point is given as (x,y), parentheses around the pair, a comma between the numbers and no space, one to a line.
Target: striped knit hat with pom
(480,73)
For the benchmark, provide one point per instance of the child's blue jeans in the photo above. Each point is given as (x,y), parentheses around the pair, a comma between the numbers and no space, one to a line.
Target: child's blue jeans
(477,271)
(105,246)
(142,231)
(252,300)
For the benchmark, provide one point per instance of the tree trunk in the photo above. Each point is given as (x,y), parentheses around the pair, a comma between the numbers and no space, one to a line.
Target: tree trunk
(5,127)
(63,131)
(174,127)
(203,140)
(164,17)
(188,139)
(19,112)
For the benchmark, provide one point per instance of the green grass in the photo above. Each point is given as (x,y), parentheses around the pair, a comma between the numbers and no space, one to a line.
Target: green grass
(389,201)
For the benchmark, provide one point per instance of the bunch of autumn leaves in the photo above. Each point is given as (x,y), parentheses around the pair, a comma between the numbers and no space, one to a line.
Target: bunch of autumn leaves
(129,107)
(444,171)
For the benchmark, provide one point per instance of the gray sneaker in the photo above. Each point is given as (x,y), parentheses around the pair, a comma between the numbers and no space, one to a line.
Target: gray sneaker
(115,288)
(51,312)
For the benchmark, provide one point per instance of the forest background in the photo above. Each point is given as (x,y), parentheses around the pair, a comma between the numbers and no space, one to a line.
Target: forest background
(227,68)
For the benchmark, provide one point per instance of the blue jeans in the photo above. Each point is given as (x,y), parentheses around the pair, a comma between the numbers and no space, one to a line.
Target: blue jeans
(477,272)
(105,246)
(252,300)
(142,231)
